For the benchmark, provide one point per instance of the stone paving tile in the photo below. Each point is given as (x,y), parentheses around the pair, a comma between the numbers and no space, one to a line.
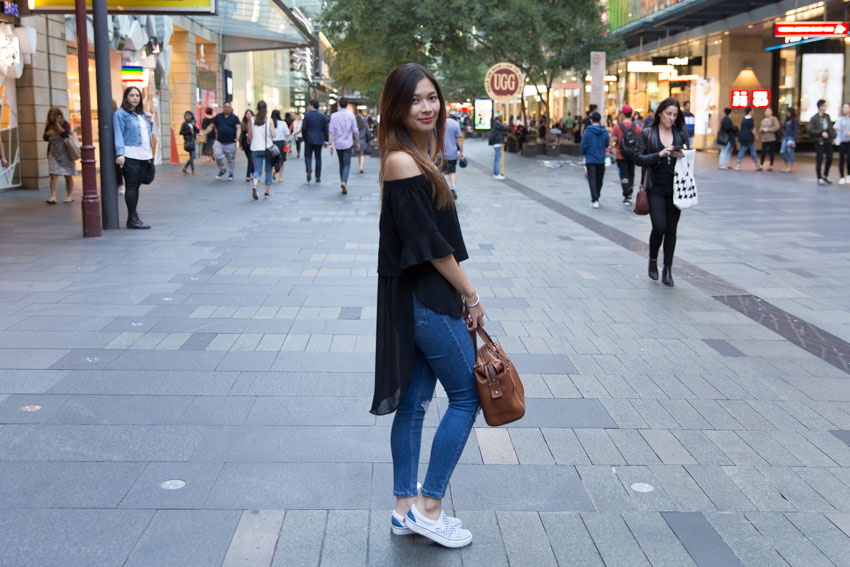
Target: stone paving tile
(255,538)
(70,537)
(147,491)
(614,540)
(185,538)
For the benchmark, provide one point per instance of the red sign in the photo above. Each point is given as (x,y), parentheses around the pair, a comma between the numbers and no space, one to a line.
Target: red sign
(503,82)
(811,29)
(761,98)
(740,98)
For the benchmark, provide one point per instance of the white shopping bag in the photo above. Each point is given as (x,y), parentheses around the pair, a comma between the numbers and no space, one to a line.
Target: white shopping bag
(684,184)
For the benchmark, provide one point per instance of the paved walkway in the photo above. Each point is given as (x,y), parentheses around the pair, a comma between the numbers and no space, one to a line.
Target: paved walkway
(231,348)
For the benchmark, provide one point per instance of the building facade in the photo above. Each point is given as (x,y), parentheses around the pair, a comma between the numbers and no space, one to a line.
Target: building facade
(728,55)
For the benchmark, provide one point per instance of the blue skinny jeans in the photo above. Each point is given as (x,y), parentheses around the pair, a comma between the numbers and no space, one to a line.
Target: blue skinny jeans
(444,352)
(260,159)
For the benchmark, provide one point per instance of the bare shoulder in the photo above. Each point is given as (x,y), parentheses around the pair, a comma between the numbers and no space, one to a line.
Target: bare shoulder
(399,165)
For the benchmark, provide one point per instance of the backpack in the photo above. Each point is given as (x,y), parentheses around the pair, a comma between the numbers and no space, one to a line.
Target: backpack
(628,145)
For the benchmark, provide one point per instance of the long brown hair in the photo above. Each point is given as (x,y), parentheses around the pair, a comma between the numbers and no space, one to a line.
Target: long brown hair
(126,105)
(260,117)
(393,136)
(54,110)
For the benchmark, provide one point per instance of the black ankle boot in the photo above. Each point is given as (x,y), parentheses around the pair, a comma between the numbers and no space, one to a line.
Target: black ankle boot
(136,222)
(653,270)
(667,276)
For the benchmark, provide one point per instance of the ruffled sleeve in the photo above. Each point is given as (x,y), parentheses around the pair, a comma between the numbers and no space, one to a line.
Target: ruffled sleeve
(416,222)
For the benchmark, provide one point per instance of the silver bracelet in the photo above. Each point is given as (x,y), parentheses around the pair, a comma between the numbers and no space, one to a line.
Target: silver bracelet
(477,301)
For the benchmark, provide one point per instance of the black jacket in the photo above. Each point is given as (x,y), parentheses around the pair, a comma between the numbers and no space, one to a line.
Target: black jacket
(648,148)
(497,134)
(746,135)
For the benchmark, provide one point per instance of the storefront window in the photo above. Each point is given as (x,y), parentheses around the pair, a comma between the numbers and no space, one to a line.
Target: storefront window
(787,80)
(10,174)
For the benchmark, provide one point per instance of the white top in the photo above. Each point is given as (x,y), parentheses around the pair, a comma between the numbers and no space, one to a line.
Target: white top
(296,127)
(142,152)
(281,131)
(261,137)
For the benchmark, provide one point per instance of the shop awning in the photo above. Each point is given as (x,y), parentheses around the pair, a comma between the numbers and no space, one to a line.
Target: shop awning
(256,25)
(684,15)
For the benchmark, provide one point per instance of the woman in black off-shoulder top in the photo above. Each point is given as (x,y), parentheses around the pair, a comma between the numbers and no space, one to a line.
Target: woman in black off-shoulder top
(426,306)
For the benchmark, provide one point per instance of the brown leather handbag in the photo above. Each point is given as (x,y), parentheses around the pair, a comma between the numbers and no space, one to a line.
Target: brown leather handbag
(641,199)
(500,390)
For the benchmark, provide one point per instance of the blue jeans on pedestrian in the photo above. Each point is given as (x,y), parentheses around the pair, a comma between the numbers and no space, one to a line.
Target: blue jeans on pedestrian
(344,157)
(497,161)
(190,162)
(726,153)
(744,147)
(444,352)
(311,150)
(787,151)
(259,158)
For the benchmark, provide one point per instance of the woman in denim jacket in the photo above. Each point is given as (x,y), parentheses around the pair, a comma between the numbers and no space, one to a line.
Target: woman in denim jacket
(133,150)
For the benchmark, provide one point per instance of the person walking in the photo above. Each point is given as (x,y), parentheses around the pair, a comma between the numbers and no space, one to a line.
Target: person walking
(822,134)
(658,149)
(189,131)
(497,142)
(209,139)
(843,133)
(726,139)
(227,132)
(569,124)
(625,135)
(427,306)
(769,128)
(364,142)
(594,142)
(452,151)
(314,129)
(132,126)
(281,135)
(789,140)
(345,138)
(747,137)
(59,161)
(650,118)
(262,136)
(245,142)
(296,134)
(690,123)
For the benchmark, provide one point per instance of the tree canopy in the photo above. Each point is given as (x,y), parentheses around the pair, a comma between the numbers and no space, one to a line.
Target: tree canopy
(458,40)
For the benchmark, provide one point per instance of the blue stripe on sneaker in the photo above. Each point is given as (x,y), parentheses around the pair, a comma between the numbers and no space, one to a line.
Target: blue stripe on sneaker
(397,524)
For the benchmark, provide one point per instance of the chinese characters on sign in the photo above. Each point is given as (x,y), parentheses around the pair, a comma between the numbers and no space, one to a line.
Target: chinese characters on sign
(757,98)
(761,98)
(740,98)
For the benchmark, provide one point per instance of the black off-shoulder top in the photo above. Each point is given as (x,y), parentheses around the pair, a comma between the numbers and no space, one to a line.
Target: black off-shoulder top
(412,233)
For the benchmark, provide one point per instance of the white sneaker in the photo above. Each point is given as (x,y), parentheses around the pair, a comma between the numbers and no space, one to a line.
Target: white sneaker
(397,526)
(437,530)
(821,181)
(595,204)
(842,180)
(499,177)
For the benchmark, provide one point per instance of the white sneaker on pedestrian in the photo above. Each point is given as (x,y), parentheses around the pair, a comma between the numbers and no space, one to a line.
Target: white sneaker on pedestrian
(821,181)
(595,204)
(842,180)
(437,531)
(397,526)
(221,173)
(499,177)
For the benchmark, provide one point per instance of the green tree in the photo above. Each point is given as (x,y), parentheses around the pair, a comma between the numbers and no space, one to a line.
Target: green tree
(371,37)
(544,38)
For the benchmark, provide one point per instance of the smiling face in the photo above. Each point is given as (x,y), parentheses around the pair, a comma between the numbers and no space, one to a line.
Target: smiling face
(668,116)
(424,108)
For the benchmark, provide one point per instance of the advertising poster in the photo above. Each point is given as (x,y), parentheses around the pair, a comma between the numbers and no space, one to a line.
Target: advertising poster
(483,113)
(705,105)
(822,78)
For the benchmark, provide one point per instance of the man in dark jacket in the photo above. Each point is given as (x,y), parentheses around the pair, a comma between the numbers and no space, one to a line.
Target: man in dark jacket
(314,130)
(822,134)
(497,140)
(594,142)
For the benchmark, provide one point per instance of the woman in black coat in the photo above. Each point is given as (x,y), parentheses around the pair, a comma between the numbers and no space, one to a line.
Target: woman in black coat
(659,146)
